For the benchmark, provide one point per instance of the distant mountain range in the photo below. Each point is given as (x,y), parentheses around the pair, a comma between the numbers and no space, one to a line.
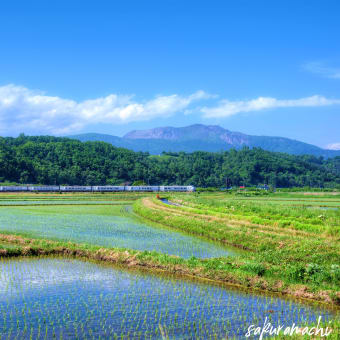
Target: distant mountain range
(201,137)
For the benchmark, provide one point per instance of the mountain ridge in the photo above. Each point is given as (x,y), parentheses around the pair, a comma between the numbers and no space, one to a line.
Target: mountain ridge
(199,137)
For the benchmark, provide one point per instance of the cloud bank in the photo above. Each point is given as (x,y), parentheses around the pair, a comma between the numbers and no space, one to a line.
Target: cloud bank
(226,108)
(25,110)
(34,112)
(323,70)
(333,146)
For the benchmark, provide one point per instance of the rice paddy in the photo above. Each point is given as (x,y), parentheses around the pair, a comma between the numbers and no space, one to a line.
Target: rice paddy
(108,226)
(60,202)
(46,298)
(290,245)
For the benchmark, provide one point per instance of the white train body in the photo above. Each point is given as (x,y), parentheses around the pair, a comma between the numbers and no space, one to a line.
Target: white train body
(170,188)
(102,188)
(14,188)
(75,188)
(109,188)
(44,188)
(144,188)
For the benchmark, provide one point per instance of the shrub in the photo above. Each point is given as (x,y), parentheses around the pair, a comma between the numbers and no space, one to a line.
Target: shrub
(256,268)
(335,272)
(296,273)
(314,273)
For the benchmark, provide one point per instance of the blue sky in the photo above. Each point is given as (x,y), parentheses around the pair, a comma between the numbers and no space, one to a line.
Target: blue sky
(259,67)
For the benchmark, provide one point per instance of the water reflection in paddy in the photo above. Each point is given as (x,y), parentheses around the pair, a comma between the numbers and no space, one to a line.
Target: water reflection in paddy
(67,298)
(109,226)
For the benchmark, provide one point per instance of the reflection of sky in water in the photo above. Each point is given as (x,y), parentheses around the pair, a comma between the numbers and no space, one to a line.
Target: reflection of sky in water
(57,202)
(83,298)
(109,231)
(323,208)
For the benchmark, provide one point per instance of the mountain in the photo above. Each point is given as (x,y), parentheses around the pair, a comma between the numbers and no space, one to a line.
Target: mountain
(201,137)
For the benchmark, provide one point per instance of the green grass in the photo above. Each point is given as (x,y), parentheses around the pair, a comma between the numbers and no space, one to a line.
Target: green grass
(290,246)
(271,211)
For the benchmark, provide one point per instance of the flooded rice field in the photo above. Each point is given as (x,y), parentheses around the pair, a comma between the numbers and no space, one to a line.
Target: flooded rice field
(108,226)
(46,298)
(58,202)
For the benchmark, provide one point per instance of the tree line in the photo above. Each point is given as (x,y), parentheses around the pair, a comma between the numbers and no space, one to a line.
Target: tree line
(54,160)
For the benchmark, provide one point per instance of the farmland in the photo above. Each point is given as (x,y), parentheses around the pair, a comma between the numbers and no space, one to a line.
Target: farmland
(108,226)
(287,243)
(113,301)
(132,266)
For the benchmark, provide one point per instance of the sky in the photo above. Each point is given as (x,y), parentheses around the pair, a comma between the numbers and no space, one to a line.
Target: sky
(260,67)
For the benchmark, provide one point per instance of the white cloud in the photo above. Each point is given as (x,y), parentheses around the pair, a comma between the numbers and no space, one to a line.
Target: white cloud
(33,112)
(333,146)
(227,108)
(322,69)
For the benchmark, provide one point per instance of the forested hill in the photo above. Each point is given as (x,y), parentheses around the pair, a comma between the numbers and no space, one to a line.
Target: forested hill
(53,160)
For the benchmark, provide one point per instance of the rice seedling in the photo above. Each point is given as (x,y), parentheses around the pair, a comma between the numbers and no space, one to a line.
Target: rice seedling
(287,247)
(66,298)
(108,226)
(60,202)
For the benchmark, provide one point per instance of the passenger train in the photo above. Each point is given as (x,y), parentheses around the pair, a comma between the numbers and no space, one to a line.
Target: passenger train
(104,188)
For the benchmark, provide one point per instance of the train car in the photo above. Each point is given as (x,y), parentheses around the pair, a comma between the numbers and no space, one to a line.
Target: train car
(176,188)
(107,188)
(149,188)
(141,188)
(47,188)
(103,188)
(130,188)
(75,188)
(14,188)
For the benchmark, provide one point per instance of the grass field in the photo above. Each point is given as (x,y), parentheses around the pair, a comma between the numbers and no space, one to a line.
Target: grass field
(290,246)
